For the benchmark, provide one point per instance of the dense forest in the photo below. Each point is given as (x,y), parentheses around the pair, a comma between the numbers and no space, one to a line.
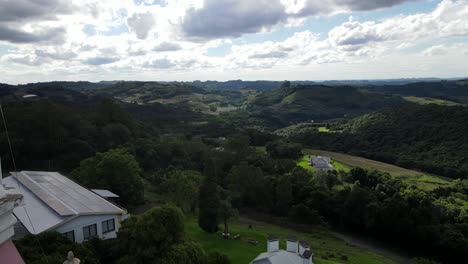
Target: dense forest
(430,138)
(214,154)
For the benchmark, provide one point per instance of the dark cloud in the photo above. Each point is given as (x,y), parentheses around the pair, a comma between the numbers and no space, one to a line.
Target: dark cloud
(232,18)
(43,35)
(100,60)
(33,10)
(167,46)
(364,5)
(160,64)
(141,24)
(314,7)
(269,55)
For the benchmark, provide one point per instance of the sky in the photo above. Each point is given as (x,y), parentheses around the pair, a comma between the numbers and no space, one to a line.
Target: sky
(185,40)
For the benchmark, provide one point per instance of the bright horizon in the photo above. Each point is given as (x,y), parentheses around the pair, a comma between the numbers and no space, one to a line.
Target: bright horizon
(182,40)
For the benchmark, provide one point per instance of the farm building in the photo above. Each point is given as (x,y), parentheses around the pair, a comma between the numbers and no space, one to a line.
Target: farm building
(52,202)
(321,163)
(297,252)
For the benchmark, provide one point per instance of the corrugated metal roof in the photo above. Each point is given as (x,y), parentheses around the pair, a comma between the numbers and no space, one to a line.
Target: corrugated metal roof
(51,198)
(63,195)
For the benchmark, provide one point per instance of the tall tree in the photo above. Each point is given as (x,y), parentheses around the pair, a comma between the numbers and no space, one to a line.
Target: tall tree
(209,204)
(226,211)
(115,170)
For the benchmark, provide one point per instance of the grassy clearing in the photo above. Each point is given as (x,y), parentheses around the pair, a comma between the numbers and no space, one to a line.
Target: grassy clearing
(326,130)
(241,251)
(339,166)
(304,163)
(428,100)
(261,150)
(419,179)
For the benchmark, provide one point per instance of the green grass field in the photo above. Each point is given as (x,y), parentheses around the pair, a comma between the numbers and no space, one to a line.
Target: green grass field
(428,100)
(419,179)
(326,248)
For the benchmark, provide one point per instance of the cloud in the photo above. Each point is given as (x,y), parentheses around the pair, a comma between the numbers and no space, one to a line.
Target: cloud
(41,35)
(268,55)
(100,60)
(313,7)
(449,19)
(364,5)
(55,55)
(33,10)
(231,18)
(354,33)
(23,59)
(159,64)
(141,24)
(167,46)
(438,50)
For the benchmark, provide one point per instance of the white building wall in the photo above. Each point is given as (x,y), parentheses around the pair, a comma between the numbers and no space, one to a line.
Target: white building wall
(78,223)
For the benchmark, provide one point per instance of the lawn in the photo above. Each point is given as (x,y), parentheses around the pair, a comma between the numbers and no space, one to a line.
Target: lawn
(326,248)
(419,179)
(304,163)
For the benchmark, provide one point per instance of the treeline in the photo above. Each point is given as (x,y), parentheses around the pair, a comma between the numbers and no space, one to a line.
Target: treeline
(53,136)
(429,138)
(166,243)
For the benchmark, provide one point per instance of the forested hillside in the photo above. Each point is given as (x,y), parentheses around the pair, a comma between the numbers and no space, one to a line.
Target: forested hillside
(430,138)
(456,91)
(304,103)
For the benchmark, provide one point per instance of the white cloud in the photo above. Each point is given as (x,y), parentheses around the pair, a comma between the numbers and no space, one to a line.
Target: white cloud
(123,39)
(438,50)
(141,24)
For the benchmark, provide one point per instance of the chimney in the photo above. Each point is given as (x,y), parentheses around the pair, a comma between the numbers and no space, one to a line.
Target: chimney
(303,246)
(291,244)
(272,244)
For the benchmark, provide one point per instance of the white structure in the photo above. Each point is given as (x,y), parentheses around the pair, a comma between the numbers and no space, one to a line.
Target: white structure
(55,203)
(9,199)
(321,163)
(292,254)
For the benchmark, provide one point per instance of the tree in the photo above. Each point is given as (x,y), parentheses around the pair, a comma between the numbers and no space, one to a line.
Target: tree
(217,258)
(226,212)
(284,150)
(181,188)
(158,236)
(52,247)
(284,195)
(115,170)
(208,203)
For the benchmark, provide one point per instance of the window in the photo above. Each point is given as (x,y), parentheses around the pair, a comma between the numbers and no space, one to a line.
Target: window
(108,225)
(70,235)
(89,232)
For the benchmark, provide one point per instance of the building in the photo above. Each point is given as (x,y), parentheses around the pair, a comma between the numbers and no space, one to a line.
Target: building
(297,252)
(9,199)
(53,202)
(321,163)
